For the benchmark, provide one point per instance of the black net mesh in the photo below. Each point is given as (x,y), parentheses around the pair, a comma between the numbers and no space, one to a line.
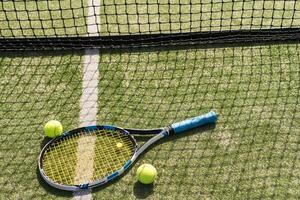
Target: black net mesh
(50,24)
(251,153)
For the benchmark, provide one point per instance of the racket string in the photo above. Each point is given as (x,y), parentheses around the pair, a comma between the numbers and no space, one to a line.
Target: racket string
(58,160)
(85,157)
(109,157)
(61,158)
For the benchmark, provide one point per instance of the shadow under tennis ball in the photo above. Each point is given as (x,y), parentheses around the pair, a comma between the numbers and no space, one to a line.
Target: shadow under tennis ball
(142,191)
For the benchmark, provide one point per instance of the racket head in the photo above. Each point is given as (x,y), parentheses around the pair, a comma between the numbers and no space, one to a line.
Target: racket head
(58,160)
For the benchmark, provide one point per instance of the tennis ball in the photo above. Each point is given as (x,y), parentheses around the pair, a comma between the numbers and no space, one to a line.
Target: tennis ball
(119,145)
(53,128)
(146,173)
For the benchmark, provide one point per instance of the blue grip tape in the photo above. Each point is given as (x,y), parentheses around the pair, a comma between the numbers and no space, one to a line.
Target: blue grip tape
(195,122)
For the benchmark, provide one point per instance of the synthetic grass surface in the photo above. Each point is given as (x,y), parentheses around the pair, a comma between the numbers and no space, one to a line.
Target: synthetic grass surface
(69,17)
(42,18)
(180,16)
(251,153)
(253,150)
(34,89)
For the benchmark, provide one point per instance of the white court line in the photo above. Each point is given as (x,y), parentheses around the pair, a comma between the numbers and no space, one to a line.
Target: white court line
(88,116)
(89,97)
(88,102)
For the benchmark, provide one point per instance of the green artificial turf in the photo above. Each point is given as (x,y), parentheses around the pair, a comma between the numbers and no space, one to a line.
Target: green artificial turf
(252,151)
(70,17)
(42,18)
(34,89)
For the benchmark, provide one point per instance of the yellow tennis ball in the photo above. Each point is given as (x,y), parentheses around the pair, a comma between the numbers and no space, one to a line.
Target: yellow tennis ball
(146,173)
(119,145)
(53,128)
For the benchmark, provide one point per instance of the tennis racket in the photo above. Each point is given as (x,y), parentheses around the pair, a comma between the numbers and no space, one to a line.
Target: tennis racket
(104,152)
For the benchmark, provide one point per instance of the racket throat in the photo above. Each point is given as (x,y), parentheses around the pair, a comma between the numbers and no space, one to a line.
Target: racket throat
(169,130)
(153,140)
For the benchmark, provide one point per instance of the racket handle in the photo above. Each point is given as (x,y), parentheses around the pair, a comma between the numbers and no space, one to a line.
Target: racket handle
(195,122)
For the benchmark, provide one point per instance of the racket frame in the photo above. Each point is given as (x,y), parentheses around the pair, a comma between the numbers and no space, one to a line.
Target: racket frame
(160,133)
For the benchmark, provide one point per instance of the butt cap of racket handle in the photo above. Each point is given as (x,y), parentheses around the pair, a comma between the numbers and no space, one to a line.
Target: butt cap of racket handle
(195,122)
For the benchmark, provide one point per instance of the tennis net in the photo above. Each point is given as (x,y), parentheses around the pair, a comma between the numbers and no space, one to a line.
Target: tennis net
(44,24)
